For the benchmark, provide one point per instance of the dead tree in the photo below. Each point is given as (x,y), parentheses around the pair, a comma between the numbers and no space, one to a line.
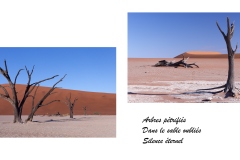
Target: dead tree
(14,100)
(70,104)
(85,110)
(181,63)
(40,103)
(228,88)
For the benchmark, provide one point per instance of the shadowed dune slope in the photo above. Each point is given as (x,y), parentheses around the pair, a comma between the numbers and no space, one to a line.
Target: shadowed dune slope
(204,54)
(96,103)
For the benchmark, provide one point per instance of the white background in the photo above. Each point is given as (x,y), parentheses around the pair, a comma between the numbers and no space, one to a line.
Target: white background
(103,23)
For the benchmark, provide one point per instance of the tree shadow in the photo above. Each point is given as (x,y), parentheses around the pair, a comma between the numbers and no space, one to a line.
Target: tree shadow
(174,94)
(62,120)
(201,92)
(149,93)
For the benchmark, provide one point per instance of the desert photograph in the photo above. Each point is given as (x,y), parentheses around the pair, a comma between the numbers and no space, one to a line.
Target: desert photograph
(58,92)
(183,58)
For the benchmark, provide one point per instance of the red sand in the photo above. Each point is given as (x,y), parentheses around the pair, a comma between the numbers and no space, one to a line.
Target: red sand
(96,103)
(204,54)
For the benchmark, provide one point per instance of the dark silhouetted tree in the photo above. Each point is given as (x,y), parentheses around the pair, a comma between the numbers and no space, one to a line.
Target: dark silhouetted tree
(40,102)
(70,104)
(85,110)
(228,88)
(16,103)
(181,63)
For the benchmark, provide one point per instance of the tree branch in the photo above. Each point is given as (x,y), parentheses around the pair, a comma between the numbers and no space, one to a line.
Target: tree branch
(32,70)
(53,93)
(4,89)
(29,75)
(5,63)
(3,96)
(221,30)
(235,48)
(6,98)
(75,100)
(5,73)
(32,86)
(69,103)
(229,33)
(49,92)
(17,76)
(70,97)
(34,96)
(43,80)
(49,103)
(12,86)
(59,80)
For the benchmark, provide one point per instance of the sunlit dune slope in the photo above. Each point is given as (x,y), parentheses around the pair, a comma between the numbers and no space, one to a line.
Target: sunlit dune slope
(96,103)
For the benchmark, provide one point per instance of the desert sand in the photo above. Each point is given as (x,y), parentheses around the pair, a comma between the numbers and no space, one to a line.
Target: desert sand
(99,121)
(96,103)
(57,126)
(169,84)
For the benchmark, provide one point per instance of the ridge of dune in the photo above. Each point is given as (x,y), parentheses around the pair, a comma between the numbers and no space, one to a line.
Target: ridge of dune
(205,54)
(96,102)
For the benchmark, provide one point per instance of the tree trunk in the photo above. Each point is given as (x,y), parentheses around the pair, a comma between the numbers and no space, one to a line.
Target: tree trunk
(230,85)
(71,112)
(30,116)
(17,116)
(85,110)
(70,104)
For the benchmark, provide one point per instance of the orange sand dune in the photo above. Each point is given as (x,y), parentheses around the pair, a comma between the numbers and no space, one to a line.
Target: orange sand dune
(204,54)
(96,103)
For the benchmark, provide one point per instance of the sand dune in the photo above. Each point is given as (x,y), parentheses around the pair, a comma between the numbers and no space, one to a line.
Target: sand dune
(205,54)
(96,103)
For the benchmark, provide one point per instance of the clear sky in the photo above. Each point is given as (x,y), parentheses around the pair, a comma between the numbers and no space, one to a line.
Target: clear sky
(166,35)
(87,69)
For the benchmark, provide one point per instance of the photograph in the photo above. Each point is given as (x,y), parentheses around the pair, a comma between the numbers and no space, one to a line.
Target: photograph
(58,92)
(117,79)
(183,57)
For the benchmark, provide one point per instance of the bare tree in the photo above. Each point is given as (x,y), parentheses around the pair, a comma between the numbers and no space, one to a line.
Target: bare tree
(70,104)
(85,110)
(40,103)
(228,88)
(13,100)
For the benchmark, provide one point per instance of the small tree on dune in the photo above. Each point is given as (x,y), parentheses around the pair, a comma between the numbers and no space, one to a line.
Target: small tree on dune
(85,110)
(70,104)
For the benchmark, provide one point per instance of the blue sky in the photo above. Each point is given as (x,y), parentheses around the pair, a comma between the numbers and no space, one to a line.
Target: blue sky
(166,35)
(87,69)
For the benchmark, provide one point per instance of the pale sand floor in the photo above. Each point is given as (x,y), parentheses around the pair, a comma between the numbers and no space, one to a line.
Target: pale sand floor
(177,91)
(56,126)
(147,84)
